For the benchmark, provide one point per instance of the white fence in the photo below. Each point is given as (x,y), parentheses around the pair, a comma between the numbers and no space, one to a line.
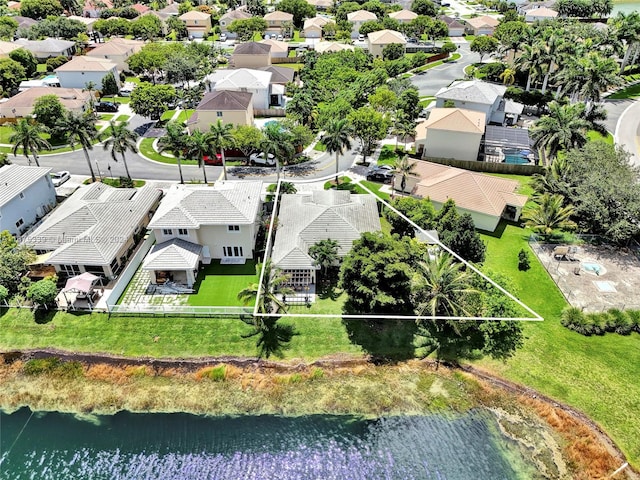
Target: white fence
(168,310)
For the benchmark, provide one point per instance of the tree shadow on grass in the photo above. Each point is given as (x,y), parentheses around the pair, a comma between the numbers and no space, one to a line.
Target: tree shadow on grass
(272,338)
(385,340)
(43,316)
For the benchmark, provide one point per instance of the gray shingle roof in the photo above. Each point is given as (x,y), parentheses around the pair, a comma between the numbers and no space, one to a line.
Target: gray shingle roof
(281,75)
(252,48)
(226,203)
(332,214)
(48,45)
(92,225)
(225,100)
(16,178)
(175,254)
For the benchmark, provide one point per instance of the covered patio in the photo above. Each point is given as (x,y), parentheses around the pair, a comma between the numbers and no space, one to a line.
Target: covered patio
(173,262)
(79,292)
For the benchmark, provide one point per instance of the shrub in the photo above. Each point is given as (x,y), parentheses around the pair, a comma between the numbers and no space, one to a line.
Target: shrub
(316,374)
(573,319)
(634,318)
(55,62)
(619,322)
(596,323)
(43,292)
(523,260)
(217,373)
(4,294)
(53,366)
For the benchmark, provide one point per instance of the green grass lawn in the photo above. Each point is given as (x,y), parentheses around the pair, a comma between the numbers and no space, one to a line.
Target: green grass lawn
(146,149)
(388,155)
(428,66)
(596,136)
(5,133)
(320,147)
(122,118)
(116,99)
(598,375)
(296,66)
(184,115)
(219,284)
(166,116)
(41,68)
(630,92)
(106,116)
(132,80)
(375,188)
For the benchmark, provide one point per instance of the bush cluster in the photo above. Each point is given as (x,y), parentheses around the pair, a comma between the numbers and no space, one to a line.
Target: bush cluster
(613,321)
(53,366)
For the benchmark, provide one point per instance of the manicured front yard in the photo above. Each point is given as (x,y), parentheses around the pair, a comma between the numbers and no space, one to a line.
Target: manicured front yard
(146,149)
(219,284)
(630,92)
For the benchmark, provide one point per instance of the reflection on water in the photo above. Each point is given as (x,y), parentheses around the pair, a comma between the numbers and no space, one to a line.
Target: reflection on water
(626,7)
(185,447)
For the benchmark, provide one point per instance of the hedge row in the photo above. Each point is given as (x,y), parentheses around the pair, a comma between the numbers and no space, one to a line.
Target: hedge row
(613,320)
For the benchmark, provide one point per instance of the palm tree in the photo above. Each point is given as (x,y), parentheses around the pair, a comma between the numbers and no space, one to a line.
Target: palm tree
(596,75)
(277,142)
(563,128)
(508,76)
(198,145)
(324,253)
(404,128)
(27,136)
(274,282)
(549,214)
(336,139)
(626,27)
(79,129)
(91,88)
(121,140)
(404,167)
(528,61)
(174,141)
(220,137)
(441,285)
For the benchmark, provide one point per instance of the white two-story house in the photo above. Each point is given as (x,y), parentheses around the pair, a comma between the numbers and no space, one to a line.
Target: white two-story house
(26,195)
(196,224)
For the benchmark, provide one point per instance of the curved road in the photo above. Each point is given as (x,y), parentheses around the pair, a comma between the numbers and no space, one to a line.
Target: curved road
(627,129)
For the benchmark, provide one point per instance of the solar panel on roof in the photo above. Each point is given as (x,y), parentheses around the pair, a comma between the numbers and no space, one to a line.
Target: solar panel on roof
(507,137)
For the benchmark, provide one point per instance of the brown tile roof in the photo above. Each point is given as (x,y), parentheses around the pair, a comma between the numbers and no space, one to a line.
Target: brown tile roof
(470,190)
(456,120)
(252,48)
(279,16)
(484,21)
(281,75)
(225,100)
(385,37)
(69,97)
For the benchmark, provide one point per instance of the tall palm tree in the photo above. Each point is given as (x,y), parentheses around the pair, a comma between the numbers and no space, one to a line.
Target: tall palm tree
(121,140)
(563,128)
(79,129)
(276,141)
(441,285)
(91,88)
(595,75)
(274,282)
(404,127)
(174,141)
(221,137)
(626,27)
(549,214)
(337,139)
(198,145)
(26,135)
(404,167)
(528,61)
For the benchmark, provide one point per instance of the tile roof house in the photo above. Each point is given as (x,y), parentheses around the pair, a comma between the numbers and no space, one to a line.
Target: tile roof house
(195,224)
(313,27)
(280,75)
(328,47)
(276,21)
(403,16)
(198,23)
(118,50)
(26,195)
(6,48)
(172,9)
(376,41)
(88,21)
(244,80)
(251,55)
(450,133)
(21,105)
(456,29)
(226,20)
(306,218)
(542,13)
(279,49)
(357,18)
(484,25)
(79,71)
(486,198)
(140,8)
(24,22)
(95,230)
(235,108)
(49,47)
(321,5)
(92,8)
(484,97)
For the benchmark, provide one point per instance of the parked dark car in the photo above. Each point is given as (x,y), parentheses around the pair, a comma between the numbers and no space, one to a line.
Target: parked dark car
(380,175)
(107,107)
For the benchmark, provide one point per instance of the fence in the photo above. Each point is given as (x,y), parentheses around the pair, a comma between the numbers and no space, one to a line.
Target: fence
(489,167)
(179,310)
(270,112)
(286,59)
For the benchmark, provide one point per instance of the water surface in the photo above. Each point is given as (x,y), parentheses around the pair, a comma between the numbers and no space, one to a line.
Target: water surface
(184,447)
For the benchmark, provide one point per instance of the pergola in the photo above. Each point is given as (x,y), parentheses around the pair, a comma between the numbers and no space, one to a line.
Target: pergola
(79,287)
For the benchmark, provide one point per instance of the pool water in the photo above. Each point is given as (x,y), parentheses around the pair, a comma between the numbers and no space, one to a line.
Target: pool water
(593,267)
(517,159)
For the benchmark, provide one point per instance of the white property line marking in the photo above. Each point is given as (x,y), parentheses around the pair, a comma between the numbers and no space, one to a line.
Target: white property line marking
(536,317)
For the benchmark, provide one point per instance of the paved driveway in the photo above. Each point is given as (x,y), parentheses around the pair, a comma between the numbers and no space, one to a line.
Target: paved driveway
(438,77)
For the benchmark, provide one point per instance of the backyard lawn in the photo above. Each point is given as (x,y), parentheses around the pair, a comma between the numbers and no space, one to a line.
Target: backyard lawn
(219,284)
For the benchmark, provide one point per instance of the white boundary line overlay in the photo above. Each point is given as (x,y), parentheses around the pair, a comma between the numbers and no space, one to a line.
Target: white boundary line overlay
(534,318)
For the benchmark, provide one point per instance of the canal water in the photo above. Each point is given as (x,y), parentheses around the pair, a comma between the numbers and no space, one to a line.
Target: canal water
(626,7)
(187,447)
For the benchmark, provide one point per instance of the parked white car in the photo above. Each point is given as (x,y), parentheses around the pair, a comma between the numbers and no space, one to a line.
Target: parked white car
(258,159)
(59,178)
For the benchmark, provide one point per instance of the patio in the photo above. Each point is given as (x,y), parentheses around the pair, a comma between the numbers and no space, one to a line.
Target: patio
(593,278)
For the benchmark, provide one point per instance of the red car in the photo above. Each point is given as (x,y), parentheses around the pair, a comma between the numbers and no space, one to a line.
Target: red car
(216,160)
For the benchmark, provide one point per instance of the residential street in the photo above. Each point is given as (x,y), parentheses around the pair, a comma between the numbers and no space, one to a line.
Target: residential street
(430,81)
(624,120)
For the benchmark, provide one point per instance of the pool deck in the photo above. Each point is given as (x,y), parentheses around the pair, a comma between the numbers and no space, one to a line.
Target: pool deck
(616,286)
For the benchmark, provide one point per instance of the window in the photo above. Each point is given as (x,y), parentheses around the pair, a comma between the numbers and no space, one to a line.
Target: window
(232,251)
(20,222)
(114,265)
(70,269)
(195,22)
(233,228)
(167,231)
(218,114)
(183,231)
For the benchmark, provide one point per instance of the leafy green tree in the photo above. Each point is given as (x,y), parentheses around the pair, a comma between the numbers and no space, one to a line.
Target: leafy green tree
(26,59)
(324,254)
(256,8)
(14,258)
(409,103)
(370,26)
(549,214)
(246,138)
(303,107)
(221,137)
(458,233)
(376,275)
(393,51)
(43,292)
(48,110)
(28,137)
(59,27)
(177,27)
(113,26)
(484,45)
(147,27)
(149,61)
(55,62)
(247,28)
(79,129)
(383,99)
(151,100)
(40,9)
(73,7)
(174,141)
(418,210)
(109,85)
(120,141)
(275,283)
(369,126)
(4,295)
(181,68)
(11,74)
(337,139)
(424,7)
(300,10)
(8,28)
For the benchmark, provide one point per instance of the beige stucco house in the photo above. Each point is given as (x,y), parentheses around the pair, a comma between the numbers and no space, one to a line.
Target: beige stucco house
(118,50)
(403,16)
(486,198)
(226,20)
(277,21)
(235,108)
(21,105)
(251,55)
(196,224)
(7,47)
(376,41)
(357,18)
(540,14)
(198,23)
(313,27)
(456,29)
(484,25)
(279,49)
(329,47)
(450,133)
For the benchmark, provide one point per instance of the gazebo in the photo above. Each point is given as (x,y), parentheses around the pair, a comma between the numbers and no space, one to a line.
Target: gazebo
(78,288)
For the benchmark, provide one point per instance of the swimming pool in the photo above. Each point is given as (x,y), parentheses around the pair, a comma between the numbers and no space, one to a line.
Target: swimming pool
(517,159)
(593,268)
